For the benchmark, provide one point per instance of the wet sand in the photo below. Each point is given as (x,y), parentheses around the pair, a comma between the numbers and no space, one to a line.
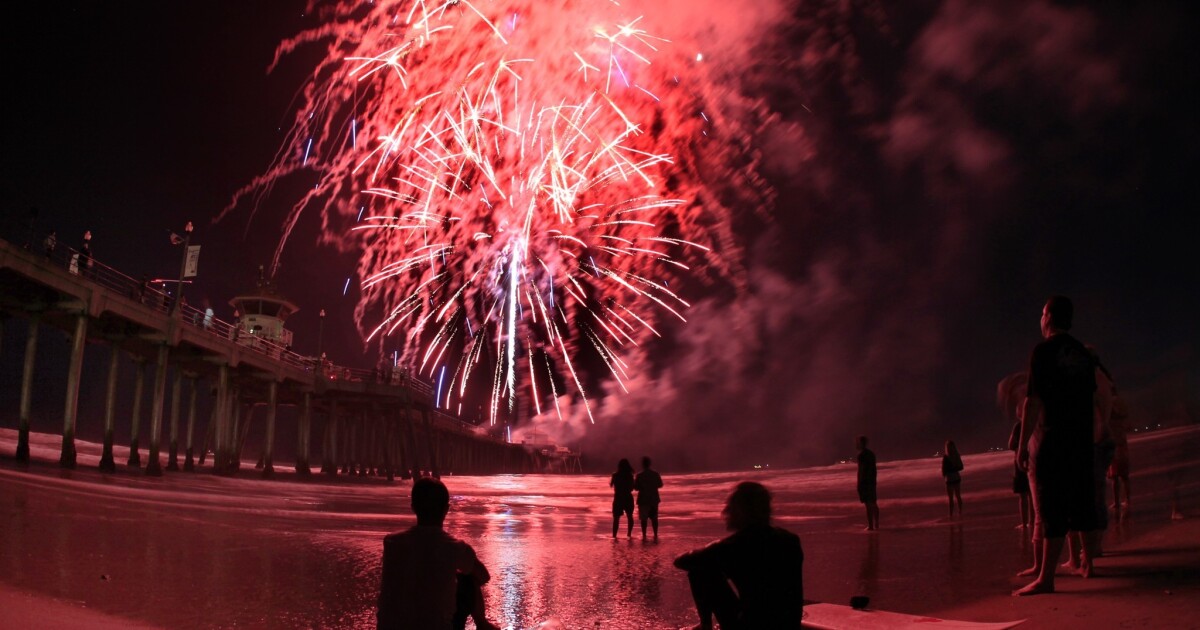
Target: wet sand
(82,549)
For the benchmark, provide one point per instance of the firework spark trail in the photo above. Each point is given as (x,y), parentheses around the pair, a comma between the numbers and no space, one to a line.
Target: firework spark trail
(527,200)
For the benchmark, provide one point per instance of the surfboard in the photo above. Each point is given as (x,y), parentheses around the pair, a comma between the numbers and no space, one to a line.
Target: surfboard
(835,617)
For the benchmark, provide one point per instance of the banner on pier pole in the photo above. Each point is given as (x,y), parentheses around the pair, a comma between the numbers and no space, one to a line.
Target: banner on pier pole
(193,261)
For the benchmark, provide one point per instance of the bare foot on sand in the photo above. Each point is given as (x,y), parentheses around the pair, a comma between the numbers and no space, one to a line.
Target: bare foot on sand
(1034,570)
(1069,567)
(1036,587)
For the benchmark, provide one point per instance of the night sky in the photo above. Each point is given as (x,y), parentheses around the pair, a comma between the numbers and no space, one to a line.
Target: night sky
(938,169)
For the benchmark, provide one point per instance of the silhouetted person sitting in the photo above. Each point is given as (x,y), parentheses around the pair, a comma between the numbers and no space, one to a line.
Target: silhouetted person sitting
(764,563)
(430,578)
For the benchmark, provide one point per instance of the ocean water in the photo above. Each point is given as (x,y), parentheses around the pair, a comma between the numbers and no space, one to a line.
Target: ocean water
(200,551)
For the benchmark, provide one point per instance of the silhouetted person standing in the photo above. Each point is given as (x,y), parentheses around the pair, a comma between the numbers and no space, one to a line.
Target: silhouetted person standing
(866,482)
(50,244)
(1056,440)
(622,485)
(647,484)
(952,465)
(430,578)
(1020,485)
(1120,425)
(85,254)
(764,563)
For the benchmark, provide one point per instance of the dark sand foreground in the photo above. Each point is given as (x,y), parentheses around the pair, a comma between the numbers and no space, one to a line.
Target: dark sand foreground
(84,550)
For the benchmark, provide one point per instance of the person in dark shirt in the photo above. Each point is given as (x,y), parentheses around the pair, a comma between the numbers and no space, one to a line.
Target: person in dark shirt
(647,484)
(952,466)
(1056,440)
(866,482)
(85,254)
(764,563)
(430,579)
(622,485)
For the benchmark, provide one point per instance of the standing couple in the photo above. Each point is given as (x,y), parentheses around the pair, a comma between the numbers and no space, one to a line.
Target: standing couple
(646,483)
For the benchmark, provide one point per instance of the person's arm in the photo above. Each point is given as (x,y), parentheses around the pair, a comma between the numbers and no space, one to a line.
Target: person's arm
(700,559)
(480,572)
(469,564)
(658,480)
(1032,407)
(1032,414)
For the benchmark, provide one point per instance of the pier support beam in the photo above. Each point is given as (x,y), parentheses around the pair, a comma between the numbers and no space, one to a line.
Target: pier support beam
(110,406)
(173,438)
(220,423)
(210,434)
(272,394)
(71,407)
(189,464)
(154,467)
(243,415)
(430,438)
(27,390)
(329,460)
(135,429)
(303,435)
(235,429)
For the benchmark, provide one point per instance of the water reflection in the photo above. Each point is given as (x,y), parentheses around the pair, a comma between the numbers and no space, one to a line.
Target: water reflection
(868,568)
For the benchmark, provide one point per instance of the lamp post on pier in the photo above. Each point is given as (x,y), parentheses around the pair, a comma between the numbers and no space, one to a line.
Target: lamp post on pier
(187,237)
(320,342)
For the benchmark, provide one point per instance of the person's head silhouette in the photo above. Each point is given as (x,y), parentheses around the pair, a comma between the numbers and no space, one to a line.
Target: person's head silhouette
(749,504)
(430,501)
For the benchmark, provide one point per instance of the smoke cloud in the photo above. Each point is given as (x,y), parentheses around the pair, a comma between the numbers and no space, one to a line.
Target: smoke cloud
(901,271)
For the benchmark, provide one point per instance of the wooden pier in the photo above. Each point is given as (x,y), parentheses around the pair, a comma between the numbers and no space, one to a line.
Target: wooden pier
(371,423)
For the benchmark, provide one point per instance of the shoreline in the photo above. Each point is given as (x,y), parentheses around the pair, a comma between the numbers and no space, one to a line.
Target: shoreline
(205,551)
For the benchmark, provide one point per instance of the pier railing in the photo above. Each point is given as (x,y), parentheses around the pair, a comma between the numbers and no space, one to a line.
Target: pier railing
(149,295)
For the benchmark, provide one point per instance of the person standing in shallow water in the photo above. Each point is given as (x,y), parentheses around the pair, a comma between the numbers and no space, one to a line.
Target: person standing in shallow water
(647,484)
(866,482)
(622,485)
(764,563)
(951,465)
(1056,444)
(430,579)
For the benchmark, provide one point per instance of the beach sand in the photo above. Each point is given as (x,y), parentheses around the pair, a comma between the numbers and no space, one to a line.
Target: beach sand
(85,550)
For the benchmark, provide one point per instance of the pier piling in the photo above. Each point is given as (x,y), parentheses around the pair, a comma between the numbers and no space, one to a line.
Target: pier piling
(139,384)
(153,466)
(31,343)
(71,406)
(189,464)
(110,405)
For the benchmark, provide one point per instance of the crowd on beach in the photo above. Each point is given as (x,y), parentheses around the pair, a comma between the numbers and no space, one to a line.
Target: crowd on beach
(1069,440)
